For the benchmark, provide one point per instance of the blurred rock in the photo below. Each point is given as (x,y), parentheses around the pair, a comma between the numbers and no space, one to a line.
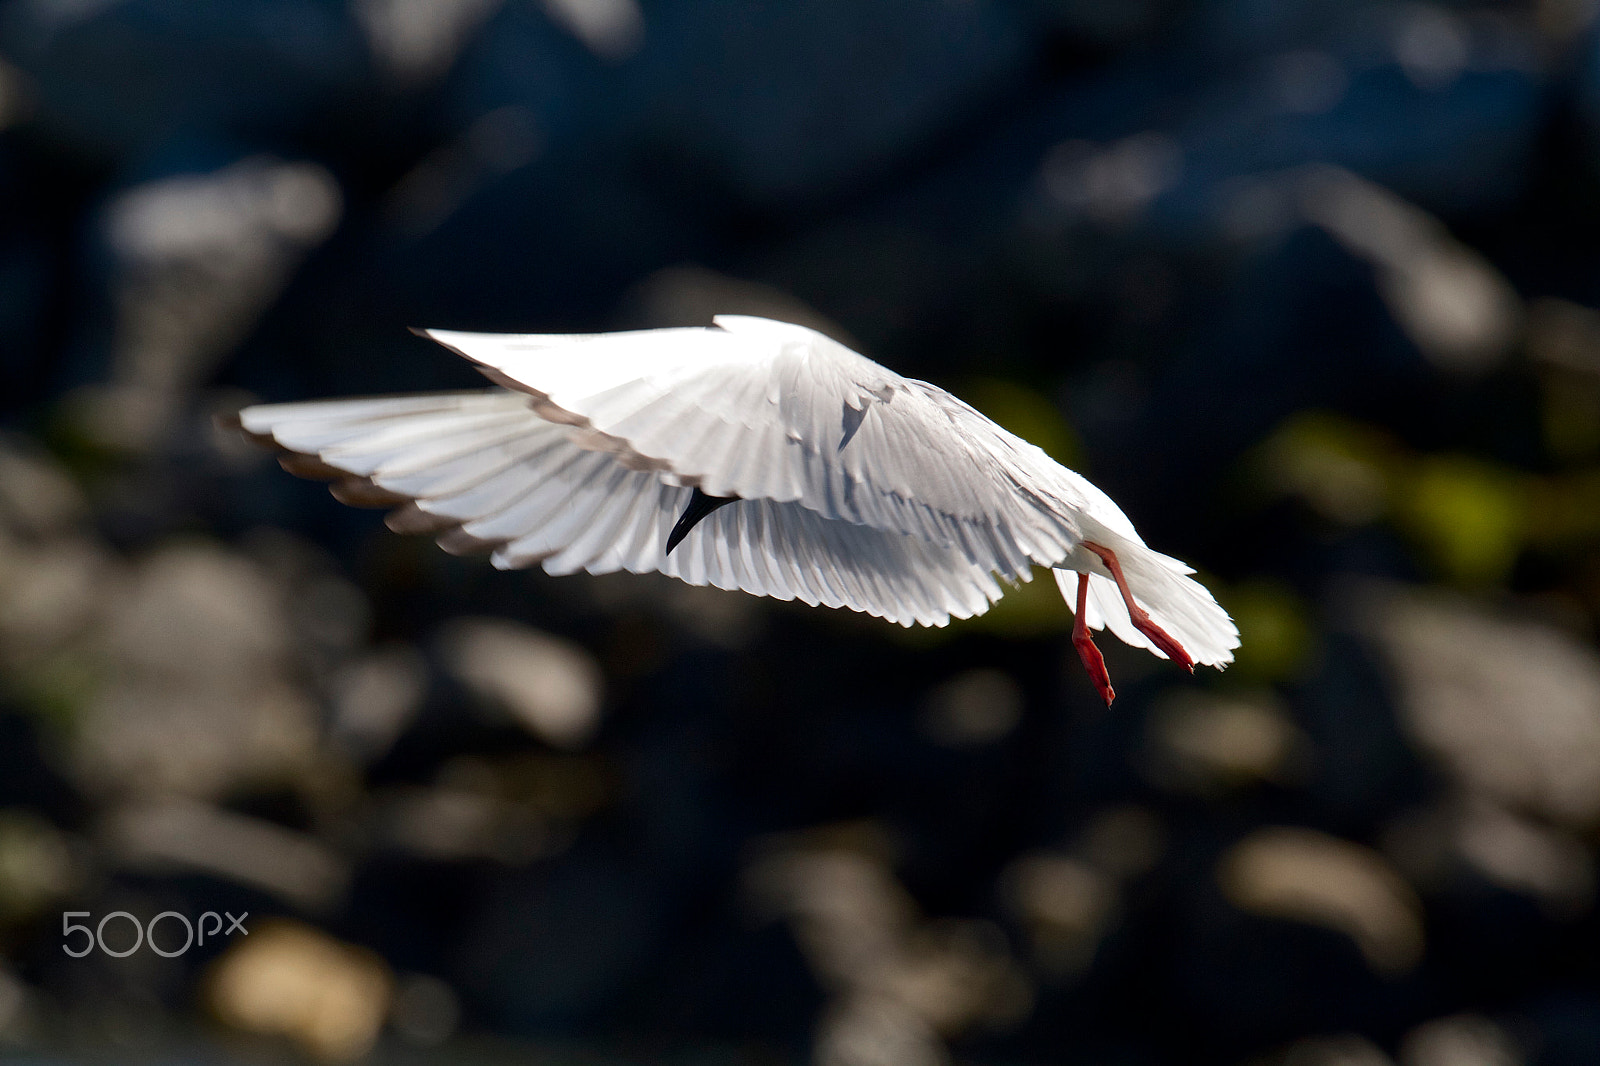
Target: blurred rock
(1209,744)
(288,979)
(50,594)
(37,868)
(973,708)
(1432,44)
(166,837)
(19,1007)
(1068,901)
(612,29)
(958,975)
(850,916)
(1518,854)
(875,1031)
(197,647)
(1111,184)
(1460,1040)
(254,210)
(1307,876)
(1511,708)
(418,40)
(13,1009)
(199,258)
(1344,1050)
(54,576)
(1523,856)
(425,1010)
(549,686)
(1066,905)
(455,823)
(375,697)
(895,979)
(38,497)
(1450,301)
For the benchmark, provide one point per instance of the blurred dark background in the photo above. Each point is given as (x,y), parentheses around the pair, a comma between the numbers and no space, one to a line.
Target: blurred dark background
(1309,287)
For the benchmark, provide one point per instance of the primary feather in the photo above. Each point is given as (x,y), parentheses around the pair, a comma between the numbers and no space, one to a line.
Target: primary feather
(857,487)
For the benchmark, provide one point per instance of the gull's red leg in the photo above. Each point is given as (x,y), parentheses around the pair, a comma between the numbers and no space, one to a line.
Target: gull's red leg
(1141,620)
(1092,661)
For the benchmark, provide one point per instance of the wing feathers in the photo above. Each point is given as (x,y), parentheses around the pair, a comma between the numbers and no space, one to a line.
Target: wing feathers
(754,409)
(483,471)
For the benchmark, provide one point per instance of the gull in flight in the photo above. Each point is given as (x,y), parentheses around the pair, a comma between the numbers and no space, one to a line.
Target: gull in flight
(752,455)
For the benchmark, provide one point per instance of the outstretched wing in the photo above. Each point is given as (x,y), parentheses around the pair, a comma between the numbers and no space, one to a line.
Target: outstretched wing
(762,409)
(483,470)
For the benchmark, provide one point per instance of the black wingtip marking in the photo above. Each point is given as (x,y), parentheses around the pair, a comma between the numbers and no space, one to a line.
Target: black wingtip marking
(700,505)
(851,421)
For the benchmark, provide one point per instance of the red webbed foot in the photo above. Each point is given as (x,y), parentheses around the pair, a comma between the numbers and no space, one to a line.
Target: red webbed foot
(1141,620)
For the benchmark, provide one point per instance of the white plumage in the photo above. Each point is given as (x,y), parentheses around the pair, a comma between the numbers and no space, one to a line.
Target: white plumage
(855,487)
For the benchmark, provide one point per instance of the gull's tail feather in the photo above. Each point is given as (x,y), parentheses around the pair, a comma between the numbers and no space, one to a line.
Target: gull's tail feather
(1162,586)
